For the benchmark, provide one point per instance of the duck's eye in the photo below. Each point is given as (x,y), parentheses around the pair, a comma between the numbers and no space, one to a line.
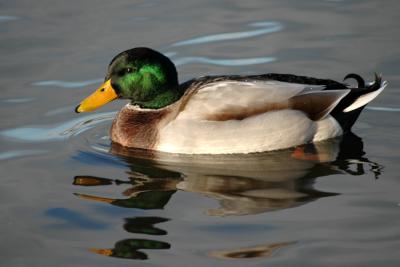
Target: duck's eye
(102,90)
(124,71)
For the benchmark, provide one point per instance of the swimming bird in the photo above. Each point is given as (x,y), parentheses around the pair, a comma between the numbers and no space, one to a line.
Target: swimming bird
(225,114)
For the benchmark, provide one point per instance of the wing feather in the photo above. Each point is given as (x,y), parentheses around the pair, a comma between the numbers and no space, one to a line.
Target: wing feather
(237,100)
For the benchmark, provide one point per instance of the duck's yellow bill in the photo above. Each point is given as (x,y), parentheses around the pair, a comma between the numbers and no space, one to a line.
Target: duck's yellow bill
(104,94)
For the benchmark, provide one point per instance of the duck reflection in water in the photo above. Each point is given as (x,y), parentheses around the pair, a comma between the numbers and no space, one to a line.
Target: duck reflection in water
(129,248)
(243,185)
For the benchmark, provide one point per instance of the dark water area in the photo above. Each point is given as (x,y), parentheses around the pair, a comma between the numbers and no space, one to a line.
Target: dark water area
(70,198)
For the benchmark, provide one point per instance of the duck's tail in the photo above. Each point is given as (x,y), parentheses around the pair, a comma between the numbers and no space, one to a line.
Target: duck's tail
(350,107)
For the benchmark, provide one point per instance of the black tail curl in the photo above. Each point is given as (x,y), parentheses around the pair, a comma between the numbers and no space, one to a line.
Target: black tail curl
(358,78)
(347,119)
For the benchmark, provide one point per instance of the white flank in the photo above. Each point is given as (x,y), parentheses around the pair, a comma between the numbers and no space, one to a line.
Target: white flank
(264,132)
(327,128)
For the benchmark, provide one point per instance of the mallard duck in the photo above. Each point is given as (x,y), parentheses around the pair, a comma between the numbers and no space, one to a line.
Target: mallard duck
(224,114)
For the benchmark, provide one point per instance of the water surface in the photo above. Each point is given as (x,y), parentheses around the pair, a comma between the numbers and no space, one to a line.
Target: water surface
(70,198)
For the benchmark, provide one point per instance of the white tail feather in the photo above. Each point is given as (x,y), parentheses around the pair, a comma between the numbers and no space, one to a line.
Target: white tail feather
(365,99)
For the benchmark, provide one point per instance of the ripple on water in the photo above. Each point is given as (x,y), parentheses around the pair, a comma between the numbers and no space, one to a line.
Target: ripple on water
(58,111)
(266,27)
(8,18)
(58,131)
(20,100)
(20,153)
(65,84)
(387,109)
(223,62)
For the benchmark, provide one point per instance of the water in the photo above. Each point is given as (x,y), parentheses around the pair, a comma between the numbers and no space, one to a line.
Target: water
(69,198)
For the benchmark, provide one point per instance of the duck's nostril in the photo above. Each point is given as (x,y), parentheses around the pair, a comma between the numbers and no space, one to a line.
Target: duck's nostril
(102,90)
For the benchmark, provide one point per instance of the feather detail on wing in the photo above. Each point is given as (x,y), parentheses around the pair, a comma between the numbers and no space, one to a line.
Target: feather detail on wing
(229,100)
(317,105)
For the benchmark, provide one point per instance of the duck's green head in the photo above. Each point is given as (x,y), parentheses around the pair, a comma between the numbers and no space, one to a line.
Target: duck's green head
(146,77)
